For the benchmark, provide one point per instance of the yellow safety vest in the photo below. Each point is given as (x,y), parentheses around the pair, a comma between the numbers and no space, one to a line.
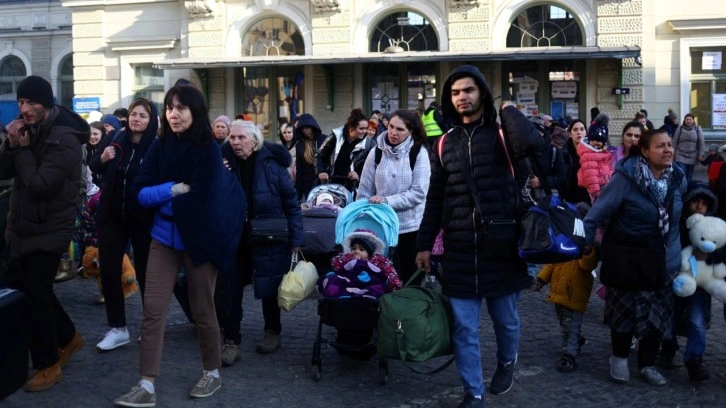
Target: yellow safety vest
(432,128)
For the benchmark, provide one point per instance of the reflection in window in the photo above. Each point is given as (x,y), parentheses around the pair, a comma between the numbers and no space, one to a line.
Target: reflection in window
(273,36)
(12,71)
(408,30)
(544,26)
(708,87)
(149,84)
(65,82)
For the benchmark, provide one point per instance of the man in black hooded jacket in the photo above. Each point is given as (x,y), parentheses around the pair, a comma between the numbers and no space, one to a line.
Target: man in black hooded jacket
(480,259)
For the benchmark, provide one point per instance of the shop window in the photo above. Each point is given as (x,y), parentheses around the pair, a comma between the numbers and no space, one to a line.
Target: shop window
(149,84)
(12,71)
(273,36)
(708,87)
(405,29)
(271,96)
(544,26)
(65,82)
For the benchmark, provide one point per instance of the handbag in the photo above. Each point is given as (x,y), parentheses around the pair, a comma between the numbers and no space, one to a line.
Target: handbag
(551,232)
(268,230)
(297,284)
(415,325)
(632,262)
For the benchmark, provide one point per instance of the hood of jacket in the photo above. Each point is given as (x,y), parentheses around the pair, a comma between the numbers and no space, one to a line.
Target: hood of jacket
(149,134)
(487,100)
(307,119)
(702,190)
(61,116)
(400,149)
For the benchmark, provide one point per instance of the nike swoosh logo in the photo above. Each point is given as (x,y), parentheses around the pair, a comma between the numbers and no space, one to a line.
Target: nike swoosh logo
(566,248)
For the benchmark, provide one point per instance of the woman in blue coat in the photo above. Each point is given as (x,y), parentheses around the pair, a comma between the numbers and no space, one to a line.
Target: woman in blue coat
(199,213)
(640,205)
(261,169)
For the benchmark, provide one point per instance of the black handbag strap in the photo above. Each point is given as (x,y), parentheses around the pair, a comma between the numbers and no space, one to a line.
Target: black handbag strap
(402,355)
(470,181)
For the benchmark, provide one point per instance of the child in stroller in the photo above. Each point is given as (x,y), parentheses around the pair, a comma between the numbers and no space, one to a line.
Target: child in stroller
(361,270)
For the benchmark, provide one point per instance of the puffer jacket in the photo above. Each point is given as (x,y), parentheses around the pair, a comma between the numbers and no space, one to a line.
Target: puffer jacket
(47,183)
(329,154)
(468,270)
(637,211)
(272,195)
(595,168)
(570,282)
(305,175)
(404,189)
(688,144)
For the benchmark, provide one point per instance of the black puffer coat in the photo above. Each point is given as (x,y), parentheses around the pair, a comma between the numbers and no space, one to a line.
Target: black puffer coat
(468,271)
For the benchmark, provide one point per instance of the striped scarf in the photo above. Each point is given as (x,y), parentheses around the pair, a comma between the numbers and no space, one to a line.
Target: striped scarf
(657,188)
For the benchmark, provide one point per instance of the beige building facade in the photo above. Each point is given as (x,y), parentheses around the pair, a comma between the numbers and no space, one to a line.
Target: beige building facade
(274,59)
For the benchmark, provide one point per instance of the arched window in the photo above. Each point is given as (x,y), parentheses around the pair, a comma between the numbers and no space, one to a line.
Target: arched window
(273,36)
(405,29)
(65,82)
(544,26)
(12,71)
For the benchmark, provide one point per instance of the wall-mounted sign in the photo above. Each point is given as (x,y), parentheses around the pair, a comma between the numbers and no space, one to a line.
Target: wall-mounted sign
(564,89)
(85,105)
(719,111)
(621,91)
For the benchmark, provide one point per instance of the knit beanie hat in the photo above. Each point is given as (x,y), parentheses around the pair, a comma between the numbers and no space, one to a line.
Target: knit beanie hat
(598,131)
(36,89)
(367,238)
(222,119)
(538,123)
(672,115)
(713,148)
(111,120)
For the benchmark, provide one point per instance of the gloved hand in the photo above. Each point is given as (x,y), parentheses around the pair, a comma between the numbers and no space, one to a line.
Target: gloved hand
(179,188)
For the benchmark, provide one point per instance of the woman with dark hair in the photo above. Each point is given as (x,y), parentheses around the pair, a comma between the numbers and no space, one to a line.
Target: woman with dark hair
(572,192)
(308,139)
(199,211)
(392,176)
(287,139)
(98,133)
(344,152)
(119,216)
(630,137)
(641,251)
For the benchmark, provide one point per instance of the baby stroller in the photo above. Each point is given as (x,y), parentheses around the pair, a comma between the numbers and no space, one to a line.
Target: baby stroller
(355,319)
(319,213)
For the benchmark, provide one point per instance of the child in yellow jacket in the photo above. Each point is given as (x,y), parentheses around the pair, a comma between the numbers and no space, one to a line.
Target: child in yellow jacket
(570,287)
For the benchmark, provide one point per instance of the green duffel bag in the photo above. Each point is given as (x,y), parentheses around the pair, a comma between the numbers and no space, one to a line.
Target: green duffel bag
(415,325)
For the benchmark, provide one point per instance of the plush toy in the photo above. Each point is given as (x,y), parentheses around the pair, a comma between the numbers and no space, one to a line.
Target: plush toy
(706,234)
(128,273)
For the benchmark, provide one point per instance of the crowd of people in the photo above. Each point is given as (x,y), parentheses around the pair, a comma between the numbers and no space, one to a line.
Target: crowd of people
(454,175)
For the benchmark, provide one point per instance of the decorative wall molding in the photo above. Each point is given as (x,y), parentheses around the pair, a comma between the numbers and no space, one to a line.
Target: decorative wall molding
(463,3)
(325,6)
(200,8)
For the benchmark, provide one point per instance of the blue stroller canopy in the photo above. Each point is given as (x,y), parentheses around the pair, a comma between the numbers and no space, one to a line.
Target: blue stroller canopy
(379,218)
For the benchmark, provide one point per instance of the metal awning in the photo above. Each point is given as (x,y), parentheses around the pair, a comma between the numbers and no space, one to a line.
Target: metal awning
(509,54)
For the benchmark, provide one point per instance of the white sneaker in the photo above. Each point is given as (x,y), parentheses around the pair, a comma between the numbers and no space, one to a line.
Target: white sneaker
(114,338)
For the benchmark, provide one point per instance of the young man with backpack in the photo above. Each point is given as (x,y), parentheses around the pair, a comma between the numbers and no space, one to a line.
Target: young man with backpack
(473,196)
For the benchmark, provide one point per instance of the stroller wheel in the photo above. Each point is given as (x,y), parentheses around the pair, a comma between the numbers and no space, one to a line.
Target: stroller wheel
(315,372)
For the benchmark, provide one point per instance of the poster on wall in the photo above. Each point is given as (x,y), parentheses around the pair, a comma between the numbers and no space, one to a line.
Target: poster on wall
(719,111)
(557,109)
(711,61)
(564,89)
(572,110)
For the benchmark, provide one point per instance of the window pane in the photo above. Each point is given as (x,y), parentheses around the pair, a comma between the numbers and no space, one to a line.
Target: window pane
(12,66)
(708,60)
(273,36)
(405,29)
(148,76)
(701,103)
(544,26)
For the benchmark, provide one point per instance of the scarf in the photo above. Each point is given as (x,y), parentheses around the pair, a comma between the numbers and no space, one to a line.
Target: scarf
(656,188)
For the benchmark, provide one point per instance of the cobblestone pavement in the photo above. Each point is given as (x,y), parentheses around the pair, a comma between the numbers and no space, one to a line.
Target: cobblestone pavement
(283,379)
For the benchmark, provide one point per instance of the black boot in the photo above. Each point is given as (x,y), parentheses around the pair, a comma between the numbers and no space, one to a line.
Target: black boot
(696,370)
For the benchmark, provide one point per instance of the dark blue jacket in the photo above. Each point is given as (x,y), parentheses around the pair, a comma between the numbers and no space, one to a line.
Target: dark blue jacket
(272,195)
(210,217)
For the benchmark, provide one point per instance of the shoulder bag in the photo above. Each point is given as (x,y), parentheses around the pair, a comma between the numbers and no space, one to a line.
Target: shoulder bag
(268,231)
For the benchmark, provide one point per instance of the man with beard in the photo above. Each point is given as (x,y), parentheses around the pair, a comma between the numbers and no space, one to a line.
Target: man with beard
(43,155)
(480,261)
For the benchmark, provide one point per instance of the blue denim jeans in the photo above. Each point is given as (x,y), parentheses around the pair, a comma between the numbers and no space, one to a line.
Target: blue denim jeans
(467,314)
(696,340)
(687,169)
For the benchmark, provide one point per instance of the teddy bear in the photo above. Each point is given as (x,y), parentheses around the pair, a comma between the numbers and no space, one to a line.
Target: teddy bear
(706,234)
(128,273)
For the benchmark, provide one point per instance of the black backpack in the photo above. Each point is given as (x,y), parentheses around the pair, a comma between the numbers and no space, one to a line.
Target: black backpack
(412,155)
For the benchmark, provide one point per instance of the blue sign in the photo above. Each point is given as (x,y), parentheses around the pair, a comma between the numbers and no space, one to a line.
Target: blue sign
(557,110)
(85,105)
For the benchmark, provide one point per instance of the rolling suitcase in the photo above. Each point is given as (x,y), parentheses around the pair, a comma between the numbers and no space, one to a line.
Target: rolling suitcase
(13,341)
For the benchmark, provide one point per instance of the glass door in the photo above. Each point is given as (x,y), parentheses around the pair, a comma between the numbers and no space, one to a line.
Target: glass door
(402,86)
(270,96)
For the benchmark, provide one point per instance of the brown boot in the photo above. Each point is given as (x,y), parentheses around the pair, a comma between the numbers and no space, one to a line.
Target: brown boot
(67,351)
(44,379)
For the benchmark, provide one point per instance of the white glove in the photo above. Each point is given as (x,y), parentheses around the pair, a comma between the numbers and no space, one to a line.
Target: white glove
(179,188)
